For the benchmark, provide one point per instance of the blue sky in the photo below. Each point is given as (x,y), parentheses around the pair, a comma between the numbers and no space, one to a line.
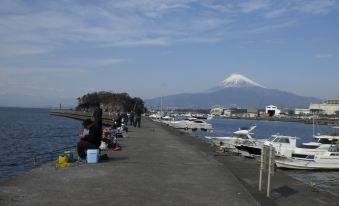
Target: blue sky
(60,50)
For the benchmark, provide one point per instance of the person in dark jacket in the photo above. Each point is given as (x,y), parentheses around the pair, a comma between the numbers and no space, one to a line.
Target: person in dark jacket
(131,118)
(119,120)
(97,115)
(138,113)
(89,139)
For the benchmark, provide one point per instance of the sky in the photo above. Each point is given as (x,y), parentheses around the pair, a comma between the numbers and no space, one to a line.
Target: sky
(55,51)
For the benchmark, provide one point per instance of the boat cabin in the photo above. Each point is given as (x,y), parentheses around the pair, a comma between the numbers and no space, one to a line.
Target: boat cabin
(278,139)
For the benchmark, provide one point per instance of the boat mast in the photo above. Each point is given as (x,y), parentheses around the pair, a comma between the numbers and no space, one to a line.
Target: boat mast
(161,104)
(313,126)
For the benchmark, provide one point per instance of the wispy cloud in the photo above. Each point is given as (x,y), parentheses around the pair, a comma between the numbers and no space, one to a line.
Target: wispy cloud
(317,6)
(143,42)
(9,73)
(324,56)
(275,13)
(270,27)
(12,5)
(254,5)
(43,27)
(87,63)
(37,81)
(56,67)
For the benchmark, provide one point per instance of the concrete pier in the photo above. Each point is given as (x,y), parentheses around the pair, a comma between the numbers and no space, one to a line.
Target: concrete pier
(157,166)
(107,118)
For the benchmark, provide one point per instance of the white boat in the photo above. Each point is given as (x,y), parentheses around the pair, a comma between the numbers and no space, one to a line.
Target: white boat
(319,145)
(199,124)
(155,117)
(191,123)
(210,117)
(324,161)
(283,145)
(181,124)
(239,137)
(323,141)
(167,118)
(199,116)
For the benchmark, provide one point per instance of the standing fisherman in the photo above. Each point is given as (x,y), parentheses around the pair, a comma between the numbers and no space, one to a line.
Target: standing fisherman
(138,113)
(131,118)
(97,115)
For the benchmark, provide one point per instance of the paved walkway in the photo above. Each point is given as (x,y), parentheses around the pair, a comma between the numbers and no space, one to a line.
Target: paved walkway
(156,167)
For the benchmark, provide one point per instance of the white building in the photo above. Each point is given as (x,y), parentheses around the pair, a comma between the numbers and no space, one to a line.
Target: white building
(328,107)
(227,113)
(218,111)
(272,110)
(302,111)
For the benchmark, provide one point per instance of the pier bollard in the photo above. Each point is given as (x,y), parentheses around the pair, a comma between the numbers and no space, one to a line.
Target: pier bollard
(270,173)
(262,165)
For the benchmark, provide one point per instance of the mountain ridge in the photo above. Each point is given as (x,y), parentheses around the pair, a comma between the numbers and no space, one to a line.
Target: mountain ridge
(238,80)
(238,90)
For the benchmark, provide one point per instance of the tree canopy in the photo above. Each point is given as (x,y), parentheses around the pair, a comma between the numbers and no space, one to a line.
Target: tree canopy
(120,102)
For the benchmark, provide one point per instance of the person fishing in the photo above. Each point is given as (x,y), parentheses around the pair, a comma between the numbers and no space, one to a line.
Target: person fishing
(89,139)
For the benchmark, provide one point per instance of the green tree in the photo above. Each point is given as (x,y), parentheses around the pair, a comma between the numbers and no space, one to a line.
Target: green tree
(121,102)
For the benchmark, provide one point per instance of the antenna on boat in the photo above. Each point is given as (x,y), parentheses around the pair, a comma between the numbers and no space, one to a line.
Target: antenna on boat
(313,126)
(161,104)
(161,98)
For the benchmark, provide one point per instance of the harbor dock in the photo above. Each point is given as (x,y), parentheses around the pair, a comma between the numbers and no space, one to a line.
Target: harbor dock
(158,165)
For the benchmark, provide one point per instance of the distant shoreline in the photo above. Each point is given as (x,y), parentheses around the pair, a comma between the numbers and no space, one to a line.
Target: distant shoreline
(78,115)
(333,122)
(47,107)
(82,115)
(14,107)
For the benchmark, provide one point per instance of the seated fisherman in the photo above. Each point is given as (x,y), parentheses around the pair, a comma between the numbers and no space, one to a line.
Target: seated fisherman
(89,139)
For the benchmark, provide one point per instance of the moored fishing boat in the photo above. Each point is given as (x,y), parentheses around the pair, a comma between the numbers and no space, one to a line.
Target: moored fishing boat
(283,145)
(238,137)
(191,123)
(319,145)
(328,160)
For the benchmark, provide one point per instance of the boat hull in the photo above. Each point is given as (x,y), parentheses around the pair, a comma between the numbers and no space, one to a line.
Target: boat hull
(250,149)
(307,164)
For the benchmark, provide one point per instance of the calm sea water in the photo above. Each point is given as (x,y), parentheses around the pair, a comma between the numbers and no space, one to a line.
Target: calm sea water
(328,181)
(28,134)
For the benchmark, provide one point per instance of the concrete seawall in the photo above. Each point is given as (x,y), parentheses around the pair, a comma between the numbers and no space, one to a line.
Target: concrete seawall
(79,115)
(157,166)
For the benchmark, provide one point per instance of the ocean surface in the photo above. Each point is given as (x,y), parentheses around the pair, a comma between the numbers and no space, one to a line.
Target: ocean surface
(31,137)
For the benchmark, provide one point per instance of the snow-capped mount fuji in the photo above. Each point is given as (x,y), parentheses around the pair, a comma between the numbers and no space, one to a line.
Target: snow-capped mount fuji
(235,81)
(236,89)
(238,80)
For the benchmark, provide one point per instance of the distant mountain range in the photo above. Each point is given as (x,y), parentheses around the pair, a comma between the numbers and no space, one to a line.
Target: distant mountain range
(235,90)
